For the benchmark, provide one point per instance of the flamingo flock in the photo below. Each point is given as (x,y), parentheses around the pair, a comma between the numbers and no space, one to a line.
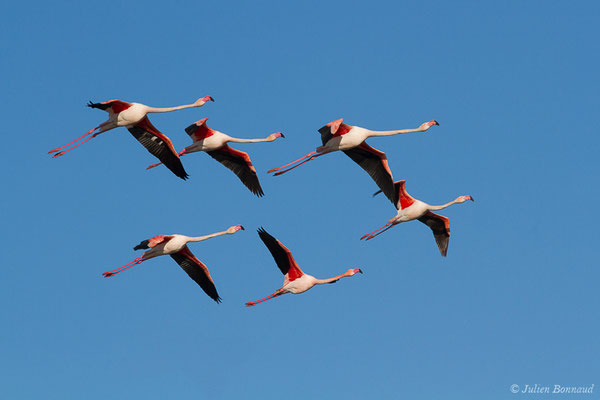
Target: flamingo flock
(335,136)
(133,116)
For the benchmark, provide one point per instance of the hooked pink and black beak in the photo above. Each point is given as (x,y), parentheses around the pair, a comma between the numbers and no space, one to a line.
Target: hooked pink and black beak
(240,227)
(471,198)
(208,98)
(433,122)
(357,270)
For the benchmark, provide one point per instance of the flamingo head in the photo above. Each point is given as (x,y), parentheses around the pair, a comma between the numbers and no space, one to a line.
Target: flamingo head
(275,135)
(353,271)
(462,199)
(202,101)
(426,125)
(335,125)
(234,229)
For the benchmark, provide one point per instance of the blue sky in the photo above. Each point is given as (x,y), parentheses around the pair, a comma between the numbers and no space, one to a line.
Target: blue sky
(515,89)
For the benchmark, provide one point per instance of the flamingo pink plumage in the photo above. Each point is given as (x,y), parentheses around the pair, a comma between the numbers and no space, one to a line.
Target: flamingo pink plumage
(351,140)
(176,246)
(214,143)
(410,209)
(133,116)
(295,280)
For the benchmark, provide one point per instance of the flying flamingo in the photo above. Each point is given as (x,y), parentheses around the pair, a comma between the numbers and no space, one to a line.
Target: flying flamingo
(133,117)
(351,140)
(410,208)
(215,144)
(175,246)
(295,281)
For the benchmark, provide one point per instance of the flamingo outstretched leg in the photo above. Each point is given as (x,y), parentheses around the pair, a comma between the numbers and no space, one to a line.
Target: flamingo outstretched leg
(369,234)
(297,165)
(124,267)
(253,303)
(103,128)
(300,159)
(80,137)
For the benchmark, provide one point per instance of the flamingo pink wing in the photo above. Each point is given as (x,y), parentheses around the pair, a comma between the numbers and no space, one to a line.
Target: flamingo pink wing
(403,198)
(158,145)
(146,244)
(239,162)
(282,256)
(375,163)
(199,131)
(327,134)
(197,271)
(440,227)
(111,106)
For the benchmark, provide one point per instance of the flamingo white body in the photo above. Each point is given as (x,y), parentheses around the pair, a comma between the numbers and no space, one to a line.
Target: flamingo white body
(337,136)
(295,281)
(133,116)
(175,245)
(214,143)
(346,141)
(410,209)
(414,211)
(219,139)
(300,285)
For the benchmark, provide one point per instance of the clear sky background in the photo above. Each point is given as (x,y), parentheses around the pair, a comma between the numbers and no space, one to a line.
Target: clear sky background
(515,88)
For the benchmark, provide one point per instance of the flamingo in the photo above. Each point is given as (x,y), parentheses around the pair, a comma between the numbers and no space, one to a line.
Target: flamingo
(176,246)
(295,281)
(351,140)
(214,143)
(133,116)
(410,208)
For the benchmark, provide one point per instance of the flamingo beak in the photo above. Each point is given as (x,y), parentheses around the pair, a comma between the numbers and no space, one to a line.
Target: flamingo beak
(213,100)
(201,121)
(241,227)
(471,198)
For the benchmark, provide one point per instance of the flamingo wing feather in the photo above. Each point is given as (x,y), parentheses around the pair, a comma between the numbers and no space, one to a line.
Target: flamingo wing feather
(374,162)
(239,162)
(159,145)
(282,256)
(440,227)
(197,271)
(402,199)
(146,244)
(111,106)
(199,131)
